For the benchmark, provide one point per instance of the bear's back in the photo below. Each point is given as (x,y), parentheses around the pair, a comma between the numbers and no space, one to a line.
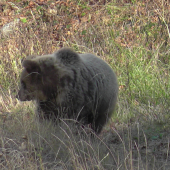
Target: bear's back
(103,77)
(99,68)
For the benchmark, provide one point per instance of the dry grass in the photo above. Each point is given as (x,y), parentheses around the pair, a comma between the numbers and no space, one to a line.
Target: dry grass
(29,144)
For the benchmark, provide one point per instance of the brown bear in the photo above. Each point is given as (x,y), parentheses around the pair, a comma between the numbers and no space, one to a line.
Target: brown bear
(66,84)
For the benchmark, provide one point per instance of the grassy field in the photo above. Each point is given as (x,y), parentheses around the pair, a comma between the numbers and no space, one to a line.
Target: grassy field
(134,38)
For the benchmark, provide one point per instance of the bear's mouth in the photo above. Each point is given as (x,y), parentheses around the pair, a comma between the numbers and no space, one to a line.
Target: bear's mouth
(23,98)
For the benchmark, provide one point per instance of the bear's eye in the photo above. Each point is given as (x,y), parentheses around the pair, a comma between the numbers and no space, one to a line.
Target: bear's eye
(23,84)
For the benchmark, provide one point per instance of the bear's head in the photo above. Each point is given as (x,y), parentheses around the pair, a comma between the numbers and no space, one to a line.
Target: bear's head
(44,77)
(33,78)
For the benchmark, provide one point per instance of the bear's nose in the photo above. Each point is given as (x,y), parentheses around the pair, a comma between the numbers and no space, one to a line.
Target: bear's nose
(17,96)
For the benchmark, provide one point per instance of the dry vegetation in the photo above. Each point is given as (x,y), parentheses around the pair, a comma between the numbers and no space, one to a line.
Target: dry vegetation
(133,37)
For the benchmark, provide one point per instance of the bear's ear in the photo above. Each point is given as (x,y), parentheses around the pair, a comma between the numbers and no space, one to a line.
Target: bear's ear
(67,56)
(31,66)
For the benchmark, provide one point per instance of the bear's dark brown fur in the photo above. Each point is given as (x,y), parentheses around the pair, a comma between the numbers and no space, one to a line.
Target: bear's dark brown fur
(70,85)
